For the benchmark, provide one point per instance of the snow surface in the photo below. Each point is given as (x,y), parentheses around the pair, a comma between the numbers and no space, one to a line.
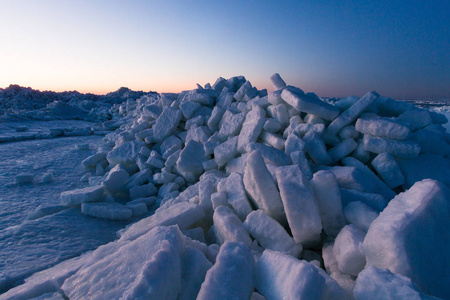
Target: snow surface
(223,191)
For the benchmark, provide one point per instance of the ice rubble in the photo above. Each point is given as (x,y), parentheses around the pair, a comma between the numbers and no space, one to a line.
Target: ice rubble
(277,195)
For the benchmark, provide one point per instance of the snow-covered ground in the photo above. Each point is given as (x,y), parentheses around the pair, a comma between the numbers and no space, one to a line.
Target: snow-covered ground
(224,192)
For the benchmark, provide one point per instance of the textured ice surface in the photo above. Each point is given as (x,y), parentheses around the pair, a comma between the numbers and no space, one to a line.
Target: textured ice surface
(410,233)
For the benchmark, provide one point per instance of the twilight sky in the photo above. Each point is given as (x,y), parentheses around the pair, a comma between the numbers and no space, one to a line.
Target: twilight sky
(399,48)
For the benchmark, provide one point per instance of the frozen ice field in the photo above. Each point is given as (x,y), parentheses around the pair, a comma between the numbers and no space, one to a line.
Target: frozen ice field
(224,192)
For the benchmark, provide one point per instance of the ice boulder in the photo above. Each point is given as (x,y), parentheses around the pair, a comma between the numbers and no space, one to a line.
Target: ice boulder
(383,127)
(123,154)
(166,123)
(411,233)
(388,169)
(348,250)
(251,128)
(232,276)
(76,197)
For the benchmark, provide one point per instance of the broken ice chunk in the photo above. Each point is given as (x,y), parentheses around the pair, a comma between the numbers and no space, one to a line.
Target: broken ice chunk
(261,188)
(328,196)
(226,151)
(228,227)
(76,197)
(190,161)
(299,204)
(304,103)
(349,251)
(383,127)
(166,123)
(106,210)
(251,128)
(234,266)
(360,215)
(349,115)
(270,234)
(403,149)
(236,195)
(277,81)
(410,233)
(389,170)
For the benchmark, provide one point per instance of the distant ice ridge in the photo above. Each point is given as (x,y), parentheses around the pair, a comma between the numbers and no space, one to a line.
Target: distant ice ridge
(264,195)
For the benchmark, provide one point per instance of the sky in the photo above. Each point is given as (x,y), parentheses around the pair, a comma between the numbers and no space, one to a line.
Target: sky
(334,48)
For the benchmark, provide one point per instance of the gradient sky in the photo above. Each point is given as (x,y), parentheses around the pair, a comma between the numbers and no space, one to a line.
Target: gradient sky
(334,48)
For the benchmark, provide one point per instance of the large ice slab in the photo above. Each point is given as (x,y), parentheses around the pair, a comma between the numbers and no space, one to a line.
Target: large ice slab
(349,115)
(106,210)
(228,227)
(411,233)
(383,127)
(123,154)
(166,123)
(280,276)
(232,276)
(236,195)
(348,250)
(78,196)
(252,127)
(261,188)
(425,166)
(388,169)
(271,155)
(153,271)
(328,197)
(270,234)
(403,149)
(304,103)
(299,204)
(190,162)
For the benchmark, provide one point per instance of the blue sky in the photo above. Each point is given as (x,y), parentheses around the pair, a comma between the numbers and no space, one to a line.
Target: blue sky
(333,48)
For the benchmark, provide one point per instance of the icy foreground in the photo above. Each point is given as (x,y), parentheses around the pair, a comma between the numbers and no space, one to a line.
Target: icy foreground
(256,195)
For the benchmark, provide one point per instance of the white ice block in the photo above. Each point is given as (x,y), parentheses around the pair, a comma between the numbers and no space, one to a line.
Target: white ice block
(231,125)
(388,169)
(271,155)
(348,250)
(246,87)
(411,233)
(115,181)
(277,82)
(183,214)
(304,103)
(342,149)
(374,284)
(328,197)
(226,151)
(315,147)
(106,210)
(125,154)
(273,140)
(272,125)
(403,149)
(270,234)
(190,162)
(142,191)
(275,97)
(232,276)
(236,195)
(152,272)
(360,215)
(304,128)
(218,199)
(251,128)
(78,196)
(261,188)
(279,276)
(349,115)
(228,227)
(383,127)
(299,158)
(188,109)
(166,124)
(294,143)
(349,132)
(279,113)
(299,204)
